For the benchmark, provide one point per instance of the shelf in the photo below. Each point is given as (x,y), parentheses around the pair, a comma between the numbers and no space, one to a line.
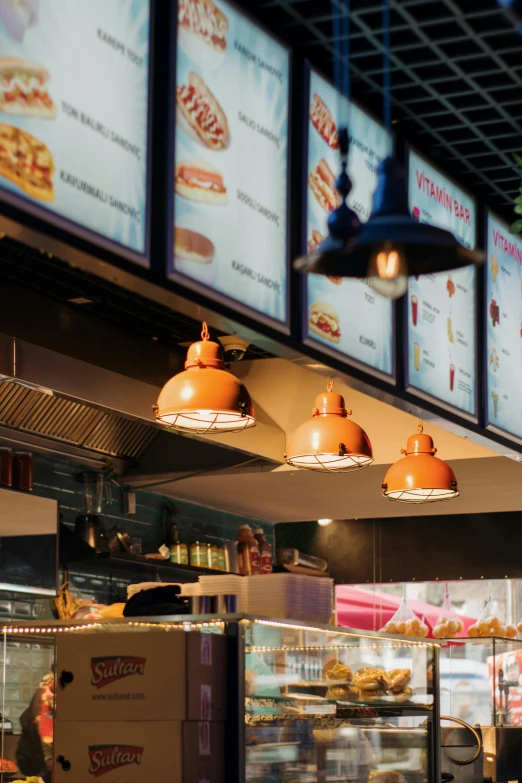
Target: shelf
(76,552)
(335,707)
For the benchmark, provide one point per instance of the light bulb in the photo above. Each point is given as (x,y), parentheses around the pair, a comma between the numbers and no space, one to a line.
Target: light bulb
(388,271)
(324,522)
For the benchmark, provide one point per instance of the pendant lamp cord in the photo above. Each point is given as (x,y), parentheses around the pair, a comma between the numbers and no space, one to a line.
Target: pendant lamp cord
(341,51)
(386,76)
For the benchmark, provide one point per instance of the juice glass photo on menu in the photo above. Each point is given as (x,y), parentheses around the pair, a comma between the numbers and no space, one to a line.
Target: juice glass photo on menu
(494,395)
(414,305)
(416,355)
(452,376)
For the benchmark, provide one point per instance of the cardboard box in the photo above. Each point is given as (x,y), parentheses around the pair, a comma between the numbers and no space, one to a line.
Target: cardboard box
(135,752)
(131,752)
(141,676)
(203,752)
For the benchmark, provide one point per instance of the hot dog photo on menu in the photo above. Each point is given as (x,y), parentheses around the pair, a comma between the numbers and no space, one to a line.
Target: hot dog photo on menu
(203,32)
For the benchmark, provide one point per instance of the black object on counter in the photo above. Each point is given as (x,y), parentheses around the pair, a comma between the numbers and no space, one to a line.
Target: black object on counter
(161,600)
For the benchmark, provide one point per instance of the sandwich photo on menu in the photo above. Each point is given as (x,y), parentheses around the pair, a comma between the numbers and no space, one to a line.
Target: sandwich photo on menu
(323,122)
(324,321)
(23,89)
(322,184)
(200,114)
(197,180)
(26,162)
(201,24)
(191,246)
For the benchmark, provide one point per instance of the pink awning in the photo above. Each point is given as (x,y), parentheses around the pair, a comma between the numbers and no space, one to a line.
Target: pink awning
(369,610)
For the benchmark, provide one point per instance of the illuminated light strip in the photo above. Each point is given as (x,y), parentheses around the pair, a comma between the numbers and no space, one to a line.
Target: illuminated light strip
(336,632)
(181,626)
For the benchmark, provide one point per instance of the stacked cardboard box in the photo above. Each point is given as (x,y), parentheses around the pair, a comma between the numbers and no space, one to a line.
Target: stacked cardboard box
(137,706)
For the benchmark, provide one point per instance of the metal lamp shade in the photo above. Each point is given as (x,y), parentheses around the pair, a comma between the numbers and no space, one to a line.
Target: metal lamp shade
(427,249)
(420,477)
(329,441)
(205,398)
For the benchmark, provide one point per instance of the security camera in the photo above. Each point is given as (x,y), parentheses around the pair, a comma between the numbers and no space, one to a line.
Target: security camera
(234,347)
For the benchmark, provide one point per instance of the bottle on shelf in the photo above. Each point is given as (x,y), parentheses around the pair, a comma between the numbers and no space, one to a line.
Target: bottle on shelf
(248,551)
(265,552)
(178,552)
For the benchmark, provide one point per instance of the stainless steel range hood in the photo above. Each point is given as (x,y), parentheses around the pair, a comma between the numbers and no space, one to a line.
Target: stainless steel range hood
(59,404)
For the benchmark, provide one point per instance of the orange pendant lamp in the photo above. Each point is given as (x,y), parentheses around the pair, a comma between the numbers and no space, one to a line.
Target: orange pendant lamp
(329,441)
(205,398)
(420,477)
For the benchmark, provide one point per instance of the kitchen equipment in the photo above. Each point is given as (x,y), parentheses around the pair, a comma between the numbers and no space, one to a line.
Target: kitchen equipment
(90,528)
(294,557)
(92,493)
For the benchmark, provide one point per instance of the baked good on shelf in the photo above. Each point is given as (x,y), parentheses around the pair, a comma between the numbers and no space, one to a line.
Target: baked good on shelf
(369,678)
(338,671)
(398,679)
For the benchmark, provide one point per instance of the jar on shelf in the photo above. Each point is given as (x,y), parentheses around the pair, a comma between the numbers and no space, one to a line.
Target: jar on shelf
(6,467)
(23,471)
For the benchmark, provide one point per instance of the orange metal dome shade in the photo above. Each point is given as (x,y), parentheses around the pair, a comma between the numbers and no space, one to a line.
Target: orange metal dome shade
(205,398)
(329,441)
(420,477)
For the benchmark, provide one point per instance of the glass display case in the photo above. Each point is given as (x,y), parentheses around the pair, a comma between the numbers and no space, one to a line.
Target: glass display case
(273,700)
(326,704)
(481,708)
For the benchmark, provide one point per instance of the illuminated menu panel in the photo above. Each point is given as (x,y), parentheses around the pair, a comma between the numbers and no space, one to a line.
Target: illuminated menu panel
(74,103)
(344,317)
(231,151)
(442,347)
(504,329)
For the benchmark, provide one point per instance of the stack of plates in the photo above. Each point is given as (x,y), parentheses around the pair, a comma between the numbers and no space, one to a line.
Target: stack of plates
(226,584)
(291,596)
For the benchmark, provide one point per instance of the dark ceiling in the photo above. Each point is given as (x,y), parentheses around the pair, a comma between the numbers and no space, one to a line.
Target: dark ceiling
(456,68)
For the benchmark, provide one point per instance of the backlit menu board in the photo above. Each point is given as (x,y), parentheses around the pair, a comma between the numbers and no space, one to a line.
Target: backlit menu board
(345,317)
(74,100)
(504,329)
(442,308)
(231,160)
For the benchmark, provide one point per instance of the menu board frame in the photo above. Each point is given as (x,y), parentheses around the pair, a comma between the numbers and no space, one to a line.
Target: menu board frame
(45,218)
(489,425)
(178,277)
(410,388)
(307,338)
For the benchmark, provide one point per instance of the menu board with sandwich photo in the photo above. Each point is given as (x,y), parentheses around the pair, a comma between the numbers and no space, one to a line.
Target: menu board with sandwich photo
(231,160)
(74,116)
(442,351)
(504,329)
(346,317)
